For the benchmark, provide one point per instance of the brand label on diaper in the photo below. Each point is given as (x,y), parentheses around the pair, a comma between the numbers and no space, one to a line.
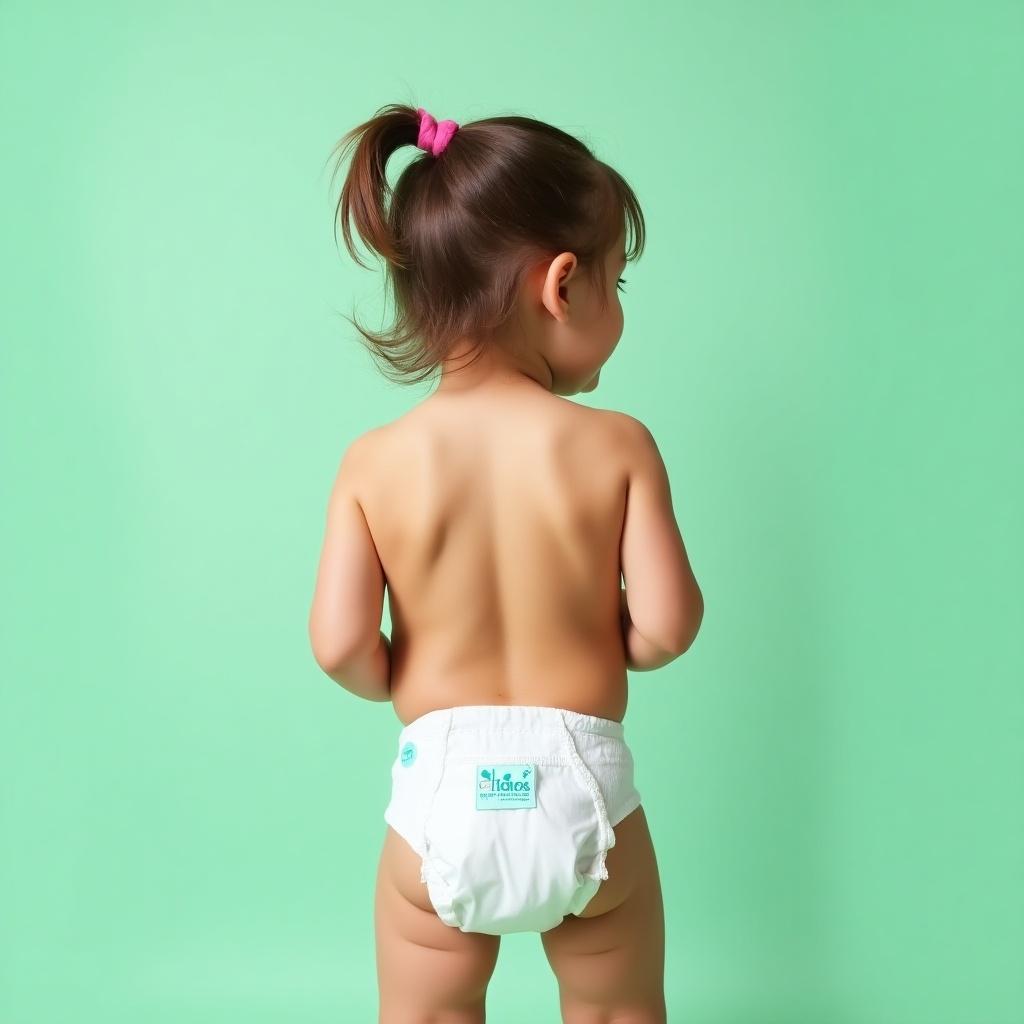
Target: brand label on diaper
(501,787)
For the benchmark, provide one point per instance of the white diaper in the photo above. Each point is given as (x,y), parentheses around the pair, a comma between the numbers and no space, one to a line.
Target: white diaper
(510,808)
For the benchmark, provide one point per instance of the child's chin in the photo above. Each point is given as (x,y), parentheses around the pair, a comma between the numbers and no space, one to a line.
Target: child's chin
(593,383)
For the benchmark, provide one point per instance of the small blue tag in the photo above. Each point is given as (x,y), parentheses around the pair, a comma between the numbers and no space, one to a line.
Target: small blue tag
(502,787)
(408,754)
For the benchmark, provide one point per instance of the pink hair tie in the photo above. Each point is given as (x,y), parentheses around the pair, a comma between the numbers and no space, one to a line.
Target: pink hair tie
(434,135)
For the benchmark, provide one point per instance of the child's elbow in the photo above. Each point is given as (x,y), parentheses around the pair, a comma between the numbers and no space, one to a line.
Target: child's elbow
(332,652)
(690,626)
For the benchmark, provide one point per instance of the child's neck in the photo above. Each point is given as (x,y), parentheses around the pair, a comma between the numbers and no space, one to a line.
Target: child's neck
(494,368)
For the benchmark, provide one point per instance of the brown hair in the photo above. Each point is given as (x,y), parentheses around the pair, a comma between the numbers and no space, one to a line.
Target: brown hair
(462,228)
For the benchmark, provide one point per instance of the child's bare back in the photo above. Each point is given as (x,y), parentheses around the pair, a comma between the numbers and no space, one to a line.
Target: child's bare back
(500,519)
(497,518)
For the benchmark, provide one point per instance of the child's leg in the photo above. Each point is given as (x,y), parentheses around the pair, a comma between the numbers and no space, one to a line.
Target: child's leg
(426,970)
(610,960)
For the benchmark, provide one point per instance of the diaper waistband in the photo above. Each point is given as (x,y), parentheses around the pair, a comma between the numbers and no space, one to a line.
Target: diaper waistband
(508,718)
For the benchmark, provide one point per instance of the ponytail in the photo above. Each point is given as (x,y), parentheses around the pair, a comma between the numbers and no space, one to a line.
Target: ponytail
(366,188)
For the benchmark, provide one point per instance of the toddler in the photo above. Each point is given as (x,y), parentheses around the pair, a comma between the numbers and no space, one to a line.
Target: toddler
(503,518)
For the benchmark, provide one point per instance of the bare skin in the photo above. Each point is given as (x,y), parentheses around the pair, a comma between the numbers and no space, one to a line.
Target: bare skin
(501,517)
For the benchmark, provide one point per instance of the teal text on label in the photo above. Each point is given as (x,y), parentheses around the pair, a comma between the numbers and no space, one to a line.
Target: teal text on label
(408,754)
(502,787)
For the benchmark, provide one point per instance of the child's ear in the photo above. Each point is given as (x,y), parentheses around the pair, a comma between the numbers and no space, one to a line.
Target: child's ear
(553,293)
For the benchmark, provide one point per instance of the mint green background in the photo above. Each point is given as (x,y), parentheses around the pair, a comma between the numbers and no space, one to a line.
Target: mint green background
(824,336)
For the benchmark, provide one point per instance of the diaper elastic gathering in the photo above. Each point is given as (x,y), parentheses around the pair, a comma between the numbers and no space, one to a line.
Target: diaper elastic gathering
(510,808)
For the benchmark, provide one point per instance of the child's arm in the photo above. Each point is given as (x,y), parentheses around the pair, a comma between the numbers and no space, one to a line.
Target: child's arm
(661,604)
(345,617)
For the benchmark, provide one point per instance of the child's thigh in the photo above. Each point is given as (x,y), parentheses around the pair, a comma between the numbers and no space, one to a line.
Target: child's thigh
(426,970)
(610,959)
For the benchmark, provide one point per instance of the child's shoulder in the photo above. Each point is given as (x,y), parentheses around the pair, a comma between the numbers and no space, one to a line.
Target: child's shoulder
(361,447)
(623,422)
(357,459)
(384,445)
(621,428)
